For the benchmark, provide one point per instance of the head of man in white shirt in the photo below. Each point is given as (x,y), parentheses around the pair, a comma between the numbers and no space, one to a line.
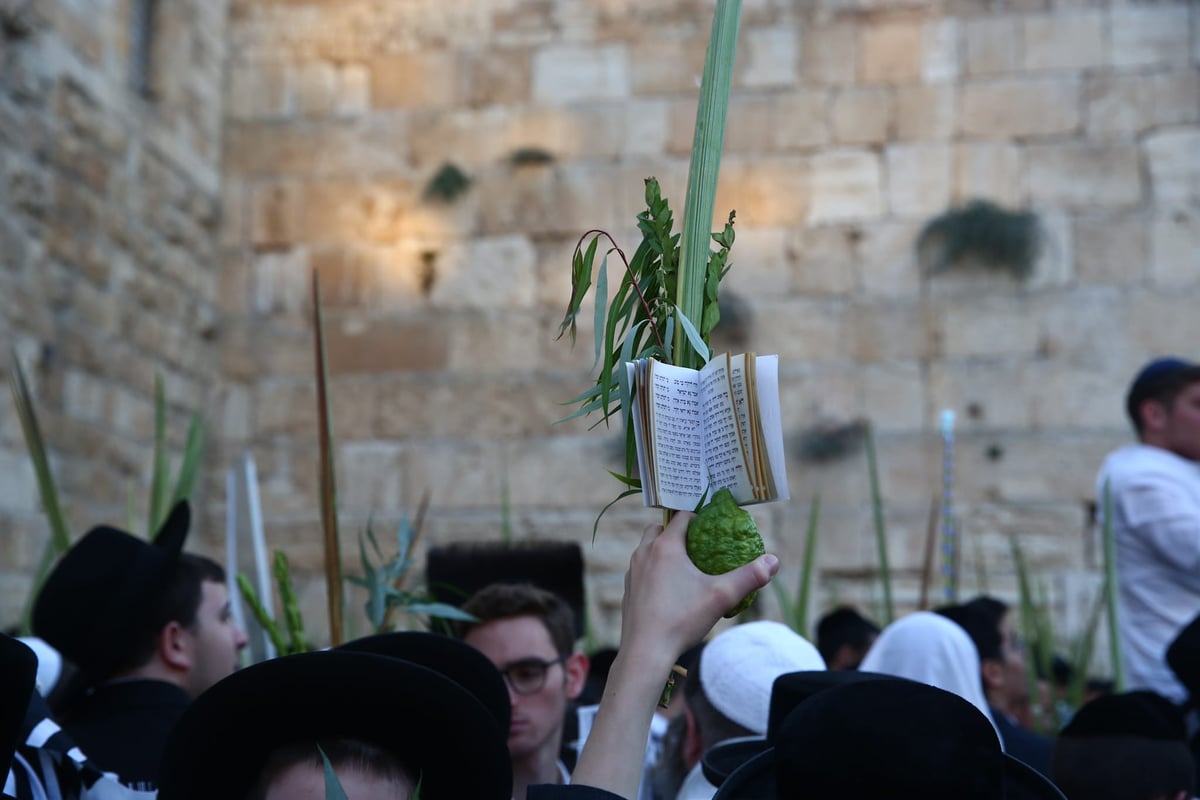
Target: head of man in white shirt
(1164,406)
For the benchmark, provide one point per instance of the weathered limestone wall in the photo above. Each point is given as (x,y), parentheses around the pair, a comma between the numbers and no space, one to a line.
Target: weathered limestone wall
(852,124)
(108,262)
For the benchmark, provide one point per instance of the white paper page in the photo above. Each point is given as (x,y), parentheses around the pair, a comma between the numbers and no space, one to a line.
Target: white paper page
(767,378)
(678,436)
(723,456)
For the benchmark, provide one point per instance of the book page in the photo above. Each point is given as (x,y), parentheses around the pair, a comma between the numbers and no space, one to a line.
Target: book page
(635,372)
(767,385)
(724,455)
(677,429)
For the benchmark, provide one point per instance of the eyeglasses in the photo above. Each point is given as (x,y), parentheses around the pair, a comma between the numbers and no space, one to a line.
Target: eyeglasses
(529,674)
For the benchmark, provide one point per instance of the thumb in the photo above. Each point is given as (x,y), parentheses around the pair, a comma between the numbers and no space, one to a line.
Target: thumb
(753,576)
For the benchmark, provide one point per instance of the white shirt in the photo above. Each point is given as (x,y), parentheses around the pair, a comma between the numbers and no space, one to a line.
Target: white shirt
(1156,525)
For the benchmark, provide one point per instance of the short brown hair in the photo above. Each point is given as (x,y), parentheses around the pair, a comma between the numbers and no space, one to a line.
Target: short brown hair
(504,600)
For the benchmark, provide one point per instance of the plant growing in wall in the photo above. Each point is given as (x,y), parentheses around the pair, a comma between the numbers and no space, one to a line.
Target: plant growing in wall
(984,234)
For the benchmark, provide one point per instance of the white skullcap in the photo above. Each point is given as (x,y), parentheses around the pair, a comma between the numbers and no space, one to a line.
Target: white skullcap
(739,667)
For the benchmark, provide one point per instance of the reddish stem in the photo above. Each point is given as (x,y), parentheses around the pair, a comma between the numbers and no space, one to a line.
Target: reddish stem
(632,279)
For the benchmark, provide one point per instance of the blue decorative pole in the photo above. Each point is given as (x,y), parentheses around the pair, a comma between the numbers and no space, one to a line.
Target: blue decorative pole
(949,534)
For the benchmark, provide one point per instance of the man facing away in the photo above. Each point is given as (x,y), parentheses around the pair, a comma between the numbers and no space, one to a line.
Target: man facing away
(1154,490)
(529,634)
(149,628)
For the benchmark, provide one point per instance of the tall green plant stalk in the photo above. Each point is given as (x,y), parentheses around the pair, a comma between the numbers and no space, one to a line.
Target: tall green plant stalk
(701,196)
(795,612)
(162,497)
(328,480)
(60,537)
(1110,579)
(1035,638)
(885,575)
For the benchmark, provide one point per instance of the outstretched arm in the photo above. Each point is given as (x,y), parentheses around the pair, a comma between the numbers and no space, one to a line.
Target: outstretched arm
(669,604)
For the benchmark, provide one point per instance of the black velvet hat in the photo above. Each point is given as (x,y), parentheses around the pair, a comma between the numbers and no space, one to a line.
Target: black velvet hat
(93,602)
(1140,715)
(875,738)
(426,720)
(1183,657)
(455,572)
(18,666)
(446,656)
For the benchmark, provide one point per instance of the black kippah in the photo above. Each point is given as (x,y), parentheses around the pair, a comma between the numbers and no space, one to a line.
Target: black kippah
(1143,715)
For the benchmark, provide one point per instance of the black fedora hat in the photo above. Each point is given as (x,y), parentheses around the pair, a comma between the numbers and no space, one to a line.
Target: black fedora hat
(1183,657)
(93,604)
(895,737)
(787,692)
(446,656)
(224,739)
(18,665)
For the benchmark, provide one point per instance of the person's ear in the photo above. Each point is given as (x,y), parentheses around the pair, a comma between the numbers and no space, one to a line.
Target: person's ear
(993,674)
(1154,414)
(175,646)
(576,669)
(693,744)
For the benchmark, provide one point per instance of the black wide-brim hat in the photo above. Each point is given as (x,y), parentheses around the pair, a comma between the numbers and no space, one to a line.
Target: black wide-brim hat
(453,658)
(18,666)
(429,722)
(787,692)
(880,738)
(94,603)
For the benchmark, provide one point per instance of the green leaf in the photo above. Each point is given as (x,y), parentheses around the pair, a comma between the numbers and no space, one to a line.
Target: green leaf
(441,610)
(1110,576)
(260,613)
(697,341)
(621,496)
(885,573)
(189,467)
(804,590)
(159,476)
(333,787)
(633,483)
(601,308)
(291,605)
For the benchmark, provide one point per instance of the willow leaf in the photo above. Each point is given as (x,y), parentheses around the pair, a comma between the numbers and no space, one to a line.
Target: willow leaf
(804,591)
(621,496)
(631,482)
(260,613)
(333,787)
(697,342)
(601,307)
(442,610)
(291,604)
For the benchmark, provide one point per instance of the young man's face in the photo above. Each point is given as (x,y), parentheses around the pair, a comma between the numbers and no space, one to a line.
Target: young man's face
(1180,426)
(537,715)
(215,639)
(1006,680)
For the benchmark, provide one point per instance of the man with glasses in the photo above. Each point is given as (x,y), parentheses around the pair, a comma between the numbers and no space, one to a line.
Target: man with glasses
(528,633)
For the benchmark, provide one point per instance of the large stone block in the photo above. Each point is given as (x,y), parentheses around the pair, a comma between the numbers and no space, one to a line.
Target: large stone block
(891,50)
(846,185)
(891,332)
(984,389)
(490,273)
(1174,167)
(802,331)
(376,144)
(358,345)
(918,178)
(991,45)
(862,115)
(1159,322)
(1012,108)
(771,57)
(1149,35)
(763,193)
(501,77)
(887,261)
(1082,175)
(798,120)
(1089,332)
(666,65)
(1128,105)
(498,340)
(828,53)
(926,112)
(991,326)
(988,171)
(426,79)
(1111,248)
(1063,41)
(894,396)
(1175,244)
(276,214)
(575,73)
(822,259)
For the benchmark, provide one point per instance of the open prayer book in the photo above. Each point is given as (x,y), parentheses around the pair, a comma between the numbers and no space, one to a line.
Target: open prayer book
(698,431)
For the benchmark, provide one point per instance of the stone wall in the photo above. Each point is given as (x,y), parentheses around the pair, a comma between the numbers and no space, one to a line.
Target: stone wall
(851,125)
(109,202)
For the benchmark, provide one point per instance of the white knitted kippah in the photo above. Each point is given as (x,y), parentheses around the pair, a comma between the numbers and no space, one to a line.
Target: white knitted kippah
(739,667)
